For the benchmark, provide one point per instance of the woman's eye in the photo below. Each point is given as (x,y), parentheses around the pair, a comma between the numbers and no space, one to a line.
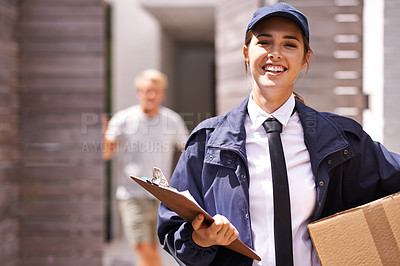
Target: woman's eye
(264,42)
(291,45)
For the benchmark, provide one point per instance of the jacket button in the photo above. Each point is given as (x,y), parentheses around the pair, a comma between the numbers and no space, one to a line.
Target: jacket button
(247,216)
(211,157)
(345,152)
(329,162)
(229,161)
(243,176)
(321,183)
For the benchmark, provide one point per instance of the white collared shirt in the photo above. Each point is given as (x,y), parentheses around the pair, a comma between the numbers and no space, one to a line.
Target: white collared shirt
(300,177)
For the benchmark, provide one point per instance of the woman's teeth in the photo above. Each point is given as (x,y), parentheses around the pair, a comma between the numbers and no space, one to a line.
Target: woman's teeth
(274,68)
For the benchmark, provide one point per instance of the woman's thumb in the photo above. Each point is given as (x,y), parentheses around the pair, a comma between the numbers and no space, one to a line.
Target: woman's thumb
(196,223)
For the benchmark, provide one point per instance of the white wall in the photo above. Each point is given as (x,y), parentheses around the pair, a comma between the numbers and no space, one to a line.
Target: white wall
(373,67)
(391,96)
(135,47)
(381,76)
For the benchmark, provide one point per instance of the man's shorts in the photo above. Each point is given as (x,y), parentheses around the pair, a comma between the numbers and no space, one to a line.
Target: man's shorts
(139,220)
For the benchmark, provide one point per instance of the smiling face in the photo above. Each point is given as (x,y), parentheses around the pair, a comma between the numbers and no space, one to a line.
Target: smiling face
(275,55)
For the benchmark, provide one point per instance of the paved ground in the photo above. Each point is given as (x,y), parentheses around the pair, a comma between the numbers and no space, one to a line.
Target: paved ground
(118,253)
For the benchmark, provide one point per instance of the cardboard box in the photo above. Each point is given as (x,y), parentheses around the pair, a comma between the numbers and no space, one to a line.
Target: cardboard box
(365,235)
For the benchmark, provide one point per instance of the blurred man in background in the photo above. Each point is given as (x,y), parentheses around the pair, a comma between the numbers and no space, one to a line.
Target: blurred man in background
(146,135)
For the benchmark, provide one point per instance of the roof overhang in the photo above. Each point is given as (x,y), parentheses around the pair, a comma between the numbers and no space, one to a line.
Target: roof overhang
(184,20)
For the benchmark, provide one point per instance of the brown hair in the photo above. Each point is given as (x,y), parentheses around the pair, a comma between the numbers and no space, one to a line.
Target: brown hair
(307,48)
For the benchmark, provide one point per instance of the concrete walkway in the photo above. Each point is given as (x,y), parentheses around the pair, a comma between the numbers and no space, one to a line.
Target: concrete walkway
(118,253)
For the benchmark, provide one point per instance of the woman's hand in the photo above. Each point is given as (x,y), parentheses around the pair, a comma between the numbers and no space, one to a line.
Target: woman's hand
(220,232)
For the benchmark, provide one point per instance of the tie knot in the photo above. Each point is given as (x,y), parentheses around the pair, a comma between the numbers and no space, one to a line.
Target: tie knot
(272,125)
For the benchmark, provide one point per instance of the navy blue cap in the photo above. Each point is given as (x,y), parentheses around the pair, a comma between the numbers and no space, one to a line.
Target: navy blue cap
(281,10)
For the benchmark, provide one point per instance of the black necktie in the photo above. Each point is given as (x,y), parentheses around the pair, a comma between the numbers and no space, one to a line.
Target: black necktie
(282,217)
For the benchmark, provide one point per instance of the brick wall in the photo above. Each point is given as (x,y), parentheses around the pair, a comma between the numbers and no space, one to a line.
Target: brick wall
(9,154)
(232,18)
(334,81)
(61,65)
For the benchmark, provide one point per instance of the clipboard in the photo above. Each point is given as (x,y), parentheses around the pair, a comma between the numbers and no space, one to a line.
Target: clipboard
(188,210)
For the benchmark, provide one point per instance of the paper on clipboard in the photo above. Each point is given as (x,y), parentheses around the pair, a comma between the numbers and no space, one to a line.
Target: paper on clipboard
(188,210)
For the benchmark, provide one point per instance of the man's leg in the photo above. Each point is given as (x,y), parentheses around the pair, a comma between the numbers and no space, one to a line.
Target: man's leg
(139,219)
(147,253)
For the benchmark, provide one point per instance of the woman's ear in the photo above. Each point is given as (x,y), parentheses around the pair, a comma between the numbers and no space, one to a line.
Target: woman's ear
(245,55)
(306,59)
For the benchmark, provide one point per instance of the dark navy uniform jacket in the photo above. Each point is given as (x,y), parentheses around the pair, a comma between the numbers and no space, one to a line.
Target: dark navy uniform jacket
(349,168)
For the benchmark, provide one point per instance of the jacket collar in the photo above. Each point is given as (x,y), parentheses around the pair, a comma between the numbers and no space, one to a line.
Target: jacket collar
(322,137)
(230,132)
